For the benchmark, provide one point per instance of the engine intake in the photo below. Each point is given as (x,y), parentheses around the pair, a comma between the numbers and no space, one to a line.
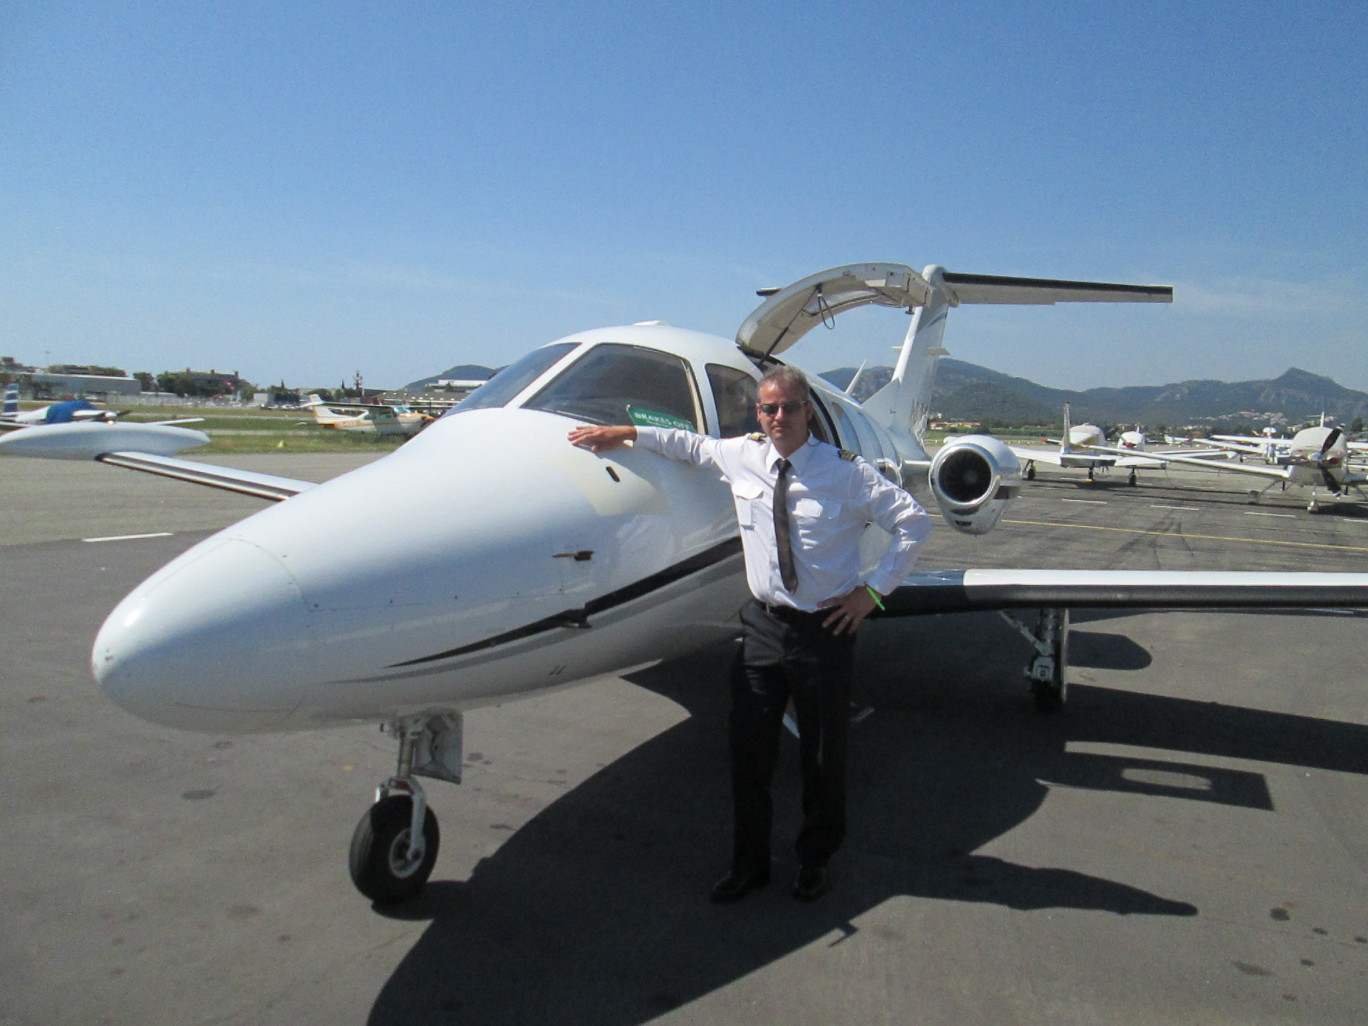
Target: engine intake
(973,479)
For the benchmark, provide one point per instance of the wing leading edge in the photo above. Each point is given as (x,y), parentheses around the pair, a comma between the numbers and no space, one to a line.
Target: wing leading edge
(960,591)
(244,482)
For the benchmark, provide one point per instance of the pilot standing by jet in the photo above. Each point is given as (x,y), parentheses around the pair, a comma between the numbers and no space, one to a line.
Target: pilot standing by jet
(802,505)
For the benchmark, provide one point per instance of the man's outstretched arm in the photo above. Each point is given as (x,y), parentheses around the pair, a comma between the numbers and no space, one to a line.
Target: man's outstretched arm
(601,438)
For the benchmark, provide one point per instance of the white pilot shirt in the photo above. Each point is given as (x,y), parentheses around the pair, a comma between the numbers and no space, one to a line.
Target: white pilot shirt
(831,501)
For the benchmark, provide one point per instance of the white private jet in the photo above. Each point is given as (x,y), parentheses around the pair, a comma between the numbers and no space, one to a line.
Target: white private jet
(1315,458)
(536,565)
(372,418)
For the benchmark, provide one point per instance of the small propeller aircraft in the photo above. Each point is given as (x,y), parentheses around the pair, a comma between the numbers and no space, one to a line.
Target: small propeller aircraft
(369,418)
(1315,458)
(65,412)
(535,565)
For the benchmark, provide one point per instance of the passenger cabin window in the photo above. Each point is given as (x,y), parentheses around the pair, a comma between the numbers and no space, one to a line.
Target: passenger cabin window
(621,384)
(507,383)
(734,394)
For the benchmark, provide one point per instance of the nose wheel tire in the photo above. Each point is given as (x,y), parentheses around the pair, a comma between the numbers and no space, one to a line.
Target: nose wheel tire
(382,865)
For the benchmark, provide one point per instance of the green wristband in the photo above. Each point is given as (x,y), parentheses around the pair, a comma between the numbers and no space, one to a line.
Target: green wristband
(878,599)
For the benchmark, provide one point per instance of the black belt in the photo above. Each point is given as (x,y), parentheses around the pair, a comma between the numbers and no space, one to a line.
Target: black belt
(788,614)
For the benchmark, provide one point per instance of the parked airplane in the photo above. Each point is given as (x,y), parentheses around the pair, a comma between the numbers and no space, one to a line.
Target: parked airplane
(536,565)
(65,412)
(1272,447)
(62,437)
(1315,458)
(377,418)
(1084,446)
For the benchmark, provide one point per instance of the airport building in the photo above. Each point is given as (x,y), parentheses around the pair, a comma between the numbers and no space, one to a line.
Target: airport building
(61,381)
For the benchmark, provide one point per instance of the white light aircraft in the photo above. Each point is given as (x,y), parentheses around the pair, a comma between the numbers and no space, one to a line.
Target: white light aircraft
(536,565)
(1084,447)
(374,418)
(1315,458)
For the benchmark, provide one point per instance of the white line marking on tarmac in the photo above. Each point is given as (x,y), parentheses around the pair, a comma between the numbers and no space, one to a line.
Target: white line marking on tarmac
(1088,502)
(1195,509)
(129,537)
(1251,513)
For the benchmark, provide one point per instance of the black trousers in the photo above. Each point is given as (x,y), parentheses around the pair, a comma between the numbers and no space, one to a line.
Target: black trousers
(786,655)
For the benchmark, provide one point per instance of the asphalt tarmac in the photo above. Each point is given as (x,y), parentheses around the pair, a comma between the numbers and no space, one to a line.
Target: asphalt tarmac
(1185,843)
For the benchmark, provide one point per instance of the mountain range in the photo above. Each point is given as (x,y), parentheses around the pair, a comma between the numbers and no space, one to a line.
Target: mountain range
(966,391)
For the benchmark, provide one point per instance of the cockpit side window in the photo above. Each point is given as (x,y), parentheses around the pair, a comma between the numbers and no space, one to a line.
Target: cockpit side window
(507,383)
(820,425)
(621,384)
(735,396)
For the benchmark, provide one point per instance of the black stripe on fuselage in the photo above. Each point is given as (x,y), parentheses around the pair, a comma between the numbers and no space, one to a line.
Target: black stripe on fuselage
(580,617)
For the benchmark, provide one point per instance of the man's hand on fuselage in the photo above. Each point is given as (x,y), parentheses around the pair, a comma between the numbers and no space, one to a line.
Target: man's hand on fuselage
(601,438)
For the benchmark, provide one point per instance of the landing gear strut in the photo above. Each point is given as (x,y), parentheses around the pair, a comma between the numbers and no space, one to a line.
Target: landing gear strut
(1049,665)
(394,846)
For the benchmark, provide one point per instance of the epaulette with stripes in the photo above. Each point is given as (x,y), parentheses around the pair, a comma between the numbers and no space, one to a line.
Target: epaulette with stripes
(756,436)
(846,454)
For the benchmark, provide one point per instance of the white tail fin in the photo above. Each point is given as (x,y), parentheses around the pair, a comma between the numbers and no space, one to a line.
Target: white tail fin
(903,405)
(1066,442)
(11,409)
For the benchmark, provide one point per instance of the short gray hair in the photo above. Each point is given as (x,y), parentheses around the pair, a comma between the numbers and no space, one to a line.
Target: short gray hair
(788,378)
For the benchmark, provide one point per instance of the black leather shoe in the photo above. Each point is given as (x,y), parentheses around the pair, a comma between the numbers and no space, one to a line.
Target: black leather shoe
(738,883)
(812,883)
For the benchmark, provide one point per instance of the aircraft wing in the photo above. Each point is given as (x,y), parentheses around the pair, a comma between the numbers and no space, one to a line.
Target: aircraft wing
(1054,456)
(1280,473)
(1083,457)
(145,447)
(961,591)
(229,479)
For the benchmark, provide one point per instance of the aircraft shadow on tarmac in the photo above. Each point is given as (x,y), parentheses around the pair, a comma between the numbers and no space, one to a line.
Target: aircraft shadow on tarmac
(596,911)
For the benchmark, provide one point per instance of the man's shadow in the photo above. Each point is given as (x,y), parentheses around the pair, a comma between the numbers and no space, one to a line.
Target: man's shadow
(596,911)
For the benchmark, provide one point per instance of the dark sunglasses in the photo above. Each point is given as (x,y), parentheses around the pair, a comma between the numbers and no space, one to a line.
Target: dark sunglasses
(789,408)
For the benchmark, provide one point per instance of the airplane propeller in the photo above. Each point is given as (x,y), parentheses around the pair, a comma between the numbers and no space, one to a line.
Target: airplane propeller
(1329,444)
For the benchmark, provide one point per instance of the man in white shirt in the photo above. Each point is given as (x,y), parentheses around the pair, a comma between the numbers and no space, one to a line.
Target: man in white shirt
(803,568)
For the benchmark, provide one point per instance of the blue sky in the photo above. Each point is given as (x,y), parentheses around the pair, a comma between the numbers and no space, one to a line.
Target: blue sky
(302,190)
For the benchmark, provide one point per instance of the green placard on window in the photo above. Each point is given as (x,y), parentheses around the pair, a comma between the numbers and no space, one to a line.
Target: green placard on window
(654,418)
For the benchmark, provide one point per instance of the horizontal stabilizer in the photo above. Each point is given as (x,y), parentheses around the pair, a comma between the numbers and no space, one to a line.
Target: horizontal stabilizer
(991,288)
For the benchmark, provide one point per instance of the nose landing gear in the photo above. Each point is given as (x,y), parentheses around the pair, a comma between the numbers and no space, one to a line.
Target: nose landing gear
(394,846)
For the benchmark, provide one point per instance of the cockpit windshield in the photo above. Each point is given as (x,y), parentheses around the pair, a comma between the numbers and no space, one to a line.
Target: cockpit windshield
(622,384)
(506,384)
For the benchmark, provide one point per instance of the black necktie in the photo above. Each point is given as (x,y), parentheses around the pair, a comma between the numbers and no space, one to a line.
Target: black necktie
(781,529)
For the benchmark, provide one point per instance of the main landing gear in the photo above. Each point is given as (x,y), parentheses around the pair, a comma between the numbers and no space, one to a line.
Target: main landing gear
(1049,665)
(395,845)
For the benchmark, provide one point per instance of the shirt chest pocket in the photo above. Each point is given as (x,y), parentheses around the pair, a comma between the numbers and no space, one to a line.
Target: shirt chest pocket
(750,508)
(808,508)
(816,521)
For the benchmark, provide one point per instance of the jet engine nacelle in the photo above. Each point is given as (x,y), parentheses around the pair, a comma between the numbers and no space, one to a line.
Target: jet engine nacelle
(973,479)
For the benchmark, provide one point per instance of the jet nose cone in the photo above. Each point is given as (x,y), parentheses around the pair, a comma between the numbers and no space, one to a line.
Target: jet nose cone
(218,640)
